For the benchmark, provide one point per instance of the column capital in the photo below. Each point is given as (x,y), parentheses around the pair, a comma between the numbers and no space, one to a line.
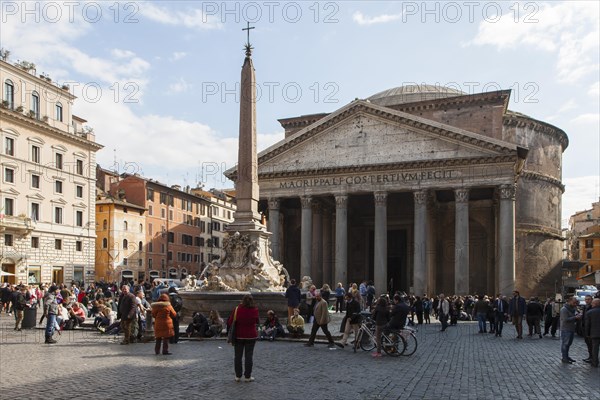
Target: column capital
(274,203)
(507,192)
(380,198)
(306,202)
(341,200)
(421,196)
(461,195)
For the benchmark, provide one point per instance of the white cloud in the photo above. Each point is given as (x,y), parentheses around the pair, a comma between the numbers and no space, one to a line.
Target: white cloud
(588,118)
(178,87)
(594,90)
(192,18)
(361,19)
(178,55)
(579,195)
(569,105)
(119,53)
(568,29)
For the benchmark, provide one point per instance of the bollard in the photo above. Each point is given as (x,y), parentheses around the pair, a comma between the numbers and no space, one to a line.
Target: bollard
(149,334)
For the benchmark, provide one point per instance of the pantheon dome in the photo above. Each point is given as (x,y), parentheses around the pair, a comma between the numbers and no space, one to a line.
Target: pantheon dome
(413,93)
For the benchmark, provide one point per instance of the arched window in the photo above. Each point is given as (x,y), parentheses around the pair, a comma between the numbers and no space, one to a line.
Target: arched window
(104,243)
(124,225)
(104,225)
(140,245)
(35,105)
(59,112)
(141,228)
(9,94)
(125,244)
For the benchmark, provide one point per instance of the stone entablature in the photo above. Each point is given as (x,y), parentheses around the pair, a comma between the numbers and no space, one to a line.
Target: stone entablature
(321,183)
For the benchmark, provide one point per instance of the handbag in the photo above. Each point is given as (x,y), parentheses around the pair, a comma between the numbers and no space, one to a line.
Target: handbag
(231,332)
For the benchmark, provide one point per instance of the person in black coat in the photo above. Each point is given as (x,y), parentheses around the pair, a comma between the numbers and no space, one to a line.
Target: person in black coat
(500,308)
(293,296)
(418,304)
(592,329)
(535,312)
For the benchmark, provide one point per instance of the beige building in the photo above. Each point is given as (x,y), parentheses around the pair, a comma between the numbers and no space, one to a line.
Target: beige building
(47,191)
(120,239)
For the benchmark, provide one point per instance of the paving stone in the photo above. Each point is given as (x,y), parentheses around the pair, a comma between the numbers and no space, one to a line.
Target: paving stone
(457,364)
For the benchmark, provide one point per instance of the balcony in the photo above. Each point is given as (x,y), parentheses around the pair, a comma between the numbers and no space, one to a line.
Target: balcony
(20,224)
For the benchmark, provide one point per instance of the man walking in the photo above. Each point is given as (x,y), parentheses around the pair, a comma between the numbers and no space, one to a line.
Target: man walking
(535,312)
(321,313)
(481,308)
(592,329)
(500,313)
(568,321)
(443,311)
(126,313)
(516,310)
(20,305)
(588,341)
(50,311)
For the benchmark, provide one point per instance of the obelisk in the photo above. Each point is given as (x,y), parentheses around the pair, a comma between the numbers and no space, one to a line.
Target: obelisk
(247,218)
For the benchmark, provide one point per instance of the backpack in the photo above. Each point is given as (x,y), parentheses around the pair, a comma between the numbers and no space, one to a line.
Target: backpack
(176,302)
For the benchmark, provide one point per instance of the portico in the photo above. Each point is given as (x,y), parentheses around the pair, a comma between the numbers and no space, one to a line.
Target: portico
(372,193)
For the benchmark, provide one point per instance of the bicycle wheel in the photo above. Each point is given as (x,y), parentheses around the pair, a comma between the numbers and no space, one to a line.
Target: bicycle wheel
(411,343)
(393,344)
(366,343)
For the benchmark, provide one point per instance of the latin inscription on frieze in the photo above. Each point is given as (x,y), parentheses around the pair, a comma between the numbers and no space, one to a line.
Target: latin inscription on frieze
(396,177)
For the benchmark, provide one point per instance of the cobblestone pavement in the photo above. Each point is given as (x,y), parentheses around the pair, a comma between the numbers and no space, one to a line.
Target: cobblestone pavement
(456,364)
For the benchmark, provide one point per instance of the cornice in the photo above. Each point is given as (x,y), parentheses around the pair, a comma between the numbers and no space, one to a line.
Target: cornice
(513,119)
(393,166)
(452,101)
(533,229)
(536,176)
(30,122)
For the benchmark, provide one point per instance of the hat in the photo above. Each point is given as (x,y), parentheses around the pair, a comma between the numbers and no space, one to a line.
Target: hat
(53,288)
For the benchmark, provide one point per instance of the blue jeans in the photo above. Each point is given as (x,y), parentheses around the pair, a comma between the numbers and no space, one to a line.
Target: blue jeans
(50,321)
(481,318)
(566,339)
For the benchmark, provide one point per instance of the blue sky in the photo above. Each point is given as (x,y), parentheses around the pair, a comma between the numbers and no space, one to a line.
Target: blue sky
(160,77)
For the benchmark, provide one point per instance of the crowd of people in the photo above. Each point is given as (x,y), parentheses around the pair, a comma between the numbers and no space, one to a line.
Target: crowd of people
(123,310)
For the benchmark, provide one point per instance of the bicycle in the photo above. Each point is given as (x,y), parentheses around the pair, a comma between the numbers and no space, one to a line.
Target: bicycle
(392,342)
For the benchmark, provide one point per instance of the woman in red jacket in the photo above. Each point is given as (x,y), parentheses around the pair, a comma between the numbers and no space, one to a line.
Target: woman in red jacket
(246,318)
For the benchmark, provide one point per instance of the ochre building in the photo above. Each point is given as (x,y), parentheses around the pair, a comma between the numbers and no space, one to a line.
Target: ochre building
(420,188)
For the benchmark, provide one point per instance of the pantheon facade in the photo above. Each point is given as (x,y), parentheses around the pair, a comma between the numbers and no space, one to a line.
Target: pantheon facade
(420,188)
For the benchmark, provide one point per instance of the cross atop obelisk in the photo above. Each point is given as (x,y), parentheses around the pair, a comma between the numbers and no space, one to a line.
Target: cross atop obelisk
(247,216)
(248,45)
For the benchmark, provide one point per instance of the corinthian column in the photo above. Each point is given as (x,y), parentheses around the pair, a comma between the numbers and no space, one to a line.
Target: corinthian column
(506,239)
(273,226)
(341,239)
(317,244)
(420,278)
(380,270)
(306,236)
(461,244)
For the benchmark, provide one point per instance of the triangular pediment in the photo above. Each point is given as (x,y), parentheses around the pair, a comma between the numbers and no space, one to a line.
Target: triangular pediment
(364,134)
(36,196)
(59,201)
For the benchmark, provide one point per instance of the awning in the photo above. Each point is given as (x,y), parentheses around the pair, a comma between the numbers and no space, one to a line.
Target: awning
(127,274)
(2,273)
